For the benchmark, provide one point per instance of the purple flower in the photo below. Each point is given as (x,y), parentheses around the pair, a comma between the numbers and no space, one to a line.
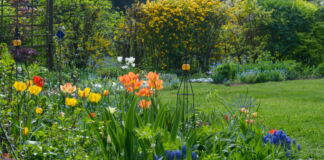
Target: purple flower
(184,151)
(275,139)
(265,139)
(298,147)
(294,141)
(193,156)
(171,155)
(178,154)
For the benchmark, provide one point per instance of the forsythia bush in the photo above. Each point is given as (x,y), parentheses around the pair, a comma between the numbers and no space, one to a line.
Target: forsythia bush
(167,29)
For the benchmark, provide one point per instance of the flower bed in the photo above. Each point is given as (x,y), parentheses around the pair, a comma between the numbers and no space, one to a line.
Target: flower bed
(125,119)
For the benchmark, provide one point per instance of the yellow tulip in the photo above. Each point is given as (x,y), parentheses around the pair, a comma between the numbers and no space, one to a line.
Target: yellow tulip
(84,93)
(255,114)
(34,90)
(71,102)
(25,131)
(94,97)
(29,83)
(20,86)
(39,110)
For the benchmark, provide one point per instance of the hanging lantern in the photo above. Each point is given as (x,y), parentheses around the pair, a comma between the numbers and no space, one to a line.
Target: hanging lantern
(186,67)
(17,43)
(60,34)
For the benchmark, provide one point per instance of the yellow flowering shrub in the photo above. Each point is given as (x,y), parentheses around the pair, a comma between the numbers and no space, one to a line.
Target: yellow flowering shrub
(165,30)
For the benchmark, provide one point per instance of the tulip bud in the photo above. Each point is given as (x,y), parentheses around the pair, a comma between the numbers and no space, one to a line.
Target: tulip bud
(106,92)
(108,139)
(25,131)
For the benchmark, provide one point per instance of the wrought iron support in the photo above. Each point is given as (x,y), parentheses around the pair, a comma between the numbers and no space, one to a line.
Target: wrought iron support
(186,97)
(50,57)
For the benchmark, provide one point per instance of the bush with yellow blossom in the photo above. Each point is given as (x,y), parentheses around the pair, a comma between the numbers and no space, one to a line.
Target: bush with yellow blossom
(166,30)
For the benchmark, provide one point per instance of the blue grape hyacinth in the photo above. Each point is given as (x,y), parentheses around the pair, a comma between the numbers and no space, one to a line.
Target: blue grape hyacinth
(279,137)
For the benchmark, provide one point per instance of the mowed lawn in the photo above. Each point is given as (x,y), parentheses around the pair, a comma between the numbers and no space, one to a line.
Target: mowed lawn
(297,107)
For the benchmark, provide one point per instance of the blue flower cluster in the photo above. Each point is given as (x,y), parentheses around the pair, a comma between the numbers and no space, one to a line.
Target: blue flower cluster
(171,155)
(279,137)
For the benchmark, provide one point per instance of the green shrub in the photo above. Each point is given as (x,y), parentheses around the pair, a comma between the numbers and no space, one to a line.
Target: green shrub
(293,68)
(223,72)
(319,71)
(250,76)
(7,71)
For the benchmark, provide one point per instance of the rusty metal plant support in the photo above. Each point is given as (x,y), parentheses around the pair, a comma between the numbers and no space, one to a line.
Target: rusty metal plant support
(40,40)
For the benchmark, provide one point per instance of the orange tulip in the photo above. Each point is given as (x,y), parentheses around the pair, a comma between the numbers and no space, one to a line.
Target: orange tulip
(152,76)
(144,104)
(158,85)
(130,81)
(106,92)
(144,92)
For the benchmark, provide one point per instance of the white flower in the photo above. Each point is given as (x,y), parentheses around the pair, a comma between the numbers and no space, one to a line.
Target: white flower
(133,64)
(120,59)
(97,85)
(19,69)
(130,60)
(114,84)
(124,67)
(111,110)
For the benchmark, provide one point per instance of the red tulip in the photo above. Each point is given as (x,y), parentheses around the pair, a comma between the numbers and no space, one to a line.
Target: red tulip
(272,131)
(226,117)
(93,114)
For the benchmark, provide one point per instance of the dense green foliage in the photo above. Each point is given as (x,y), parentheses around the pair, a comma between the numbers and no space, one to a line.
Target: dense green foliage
(262,71)
(293,31)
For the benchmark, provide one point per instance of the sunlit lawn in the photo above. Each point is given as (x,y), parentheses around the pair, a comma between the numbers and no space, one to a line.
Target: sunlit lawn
(297,107)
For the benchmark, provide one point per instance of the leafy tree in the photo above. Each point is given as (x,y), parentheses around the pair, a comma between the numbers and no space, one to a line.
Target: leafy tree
(291,26)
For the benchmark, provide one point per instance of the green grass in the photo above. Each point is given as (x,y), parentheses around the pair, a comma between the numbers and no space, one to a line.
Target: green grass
(296,107)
